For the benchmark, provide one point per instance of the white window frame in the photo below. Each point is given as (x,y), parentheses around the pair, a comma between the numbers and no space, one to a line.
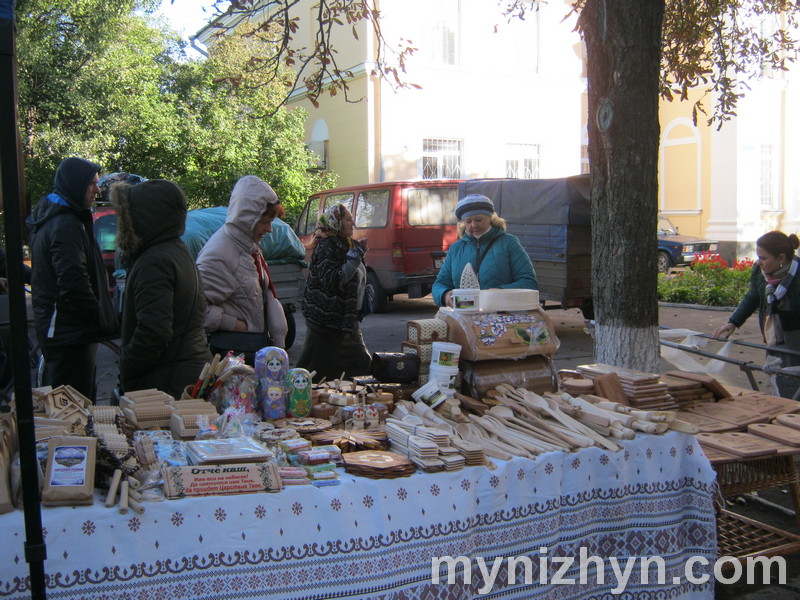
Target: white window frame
(442,152)
(443,19)
(769,180)
(523,161)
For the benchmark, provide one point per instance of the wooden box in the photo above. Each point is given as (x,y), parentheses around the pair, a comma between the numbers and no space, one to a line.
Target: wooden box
(426,331)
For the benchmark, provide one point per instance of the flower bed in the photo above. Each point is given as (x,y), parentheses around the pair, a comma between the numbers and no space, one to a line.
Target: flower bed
(710,281)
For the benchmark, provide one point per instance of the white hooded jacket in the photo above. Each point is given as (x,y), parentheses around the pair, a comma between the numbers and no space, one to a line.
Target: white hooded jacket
(228,270)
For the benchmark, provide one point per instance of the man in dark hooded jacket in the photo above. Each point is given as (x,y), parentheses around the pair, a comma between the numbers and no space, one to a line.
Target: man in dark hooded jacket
(71,304)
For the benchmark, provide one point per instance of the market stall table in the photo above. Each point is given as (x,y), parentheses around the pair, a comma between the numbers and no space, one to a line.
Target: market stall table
(376,538)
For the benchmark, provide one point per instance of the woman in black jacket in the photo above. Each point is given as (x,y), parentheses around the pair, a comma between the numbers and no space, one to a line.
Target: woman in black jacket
(163,341)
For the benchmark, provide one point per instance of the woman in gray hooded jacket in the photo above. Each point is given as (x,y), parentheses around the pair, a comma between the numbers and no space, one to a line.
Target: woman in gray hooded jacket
(235,276)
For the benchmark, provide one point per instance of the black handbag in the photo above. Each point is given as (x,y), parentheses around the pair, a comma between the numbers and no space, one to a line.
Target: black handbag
(241,342)
(395,367)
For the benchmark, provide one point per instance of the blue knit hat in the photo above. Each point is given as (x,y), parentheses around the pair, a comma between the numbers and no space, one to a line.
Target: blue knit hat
(474,204)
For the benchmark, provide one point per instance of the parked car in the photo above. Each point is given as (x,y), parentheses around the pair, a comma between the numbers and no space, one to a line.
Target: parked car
(105,232)
(676,250)
(409,224)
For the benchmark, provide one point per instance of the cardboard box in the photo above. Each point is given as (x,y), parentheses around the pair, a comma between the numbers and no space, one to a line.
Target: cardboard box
(213,480)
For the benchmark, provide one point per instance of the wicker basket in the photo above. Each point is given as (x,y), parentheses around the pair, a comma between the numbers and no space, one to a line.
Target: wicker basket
(426,331)
(740,537)
(742,477)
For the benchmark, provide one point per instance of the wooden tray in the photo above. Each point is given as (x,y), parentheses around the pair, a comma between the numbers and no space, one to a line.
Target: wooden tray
(744,445)
(377,464)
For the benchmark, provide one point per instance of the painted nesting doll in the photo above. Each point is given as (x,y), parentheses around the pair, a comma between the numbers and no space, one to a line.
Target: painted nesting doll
(299,384)
(272,365)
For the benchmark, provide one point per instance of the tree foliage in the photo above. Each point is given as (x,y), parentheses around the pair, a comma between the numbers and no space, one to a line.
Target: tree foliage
(99,80)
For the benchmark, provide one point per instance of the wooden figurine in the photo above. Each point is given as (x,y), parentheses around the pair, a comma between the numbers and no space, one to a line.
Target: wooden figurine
(359,420)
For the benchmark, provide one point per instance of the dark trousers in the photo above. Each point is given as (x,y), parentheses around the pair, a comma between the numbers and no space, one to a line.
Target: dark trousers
(71,365)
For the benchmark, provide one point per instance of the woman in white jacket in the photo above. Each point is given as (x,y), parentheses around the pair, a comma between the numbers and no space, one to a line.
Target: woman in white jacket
(235,275)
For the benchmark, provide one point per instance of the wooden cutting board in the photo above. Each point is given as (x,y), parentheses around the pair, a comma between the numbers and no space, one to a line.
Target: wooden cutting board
(729,414)
(580,386)
(708,382)
(767,406)
(781,449)
(718,457)
(609,386)
(739,443)
(706,424)
(650,388)
(638,377)
(679,383)
(779,433)
(775,404)
(792,421)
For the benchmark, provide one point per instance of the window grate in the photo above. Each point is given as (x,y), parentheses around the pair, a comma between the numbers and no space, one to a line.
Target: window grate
(442,158)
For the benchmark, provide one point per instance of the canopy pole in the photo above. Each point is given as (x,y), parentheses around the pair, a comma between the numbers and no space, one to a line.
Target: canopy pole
(13,202)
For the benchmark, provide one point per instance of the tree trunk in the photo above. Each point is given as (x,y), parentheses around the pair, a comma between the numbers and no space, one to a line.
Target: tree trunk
(623,40)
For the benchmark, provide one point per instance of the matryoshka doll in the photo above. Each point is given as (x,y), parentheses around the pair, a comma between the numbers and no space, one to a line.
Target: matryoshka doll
(273,403)
(299,384)
(272,363)
(271,366)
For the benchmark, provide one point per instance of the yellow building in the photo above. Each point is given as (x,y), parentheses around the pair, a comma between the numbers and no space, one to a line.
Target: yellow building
(500,98)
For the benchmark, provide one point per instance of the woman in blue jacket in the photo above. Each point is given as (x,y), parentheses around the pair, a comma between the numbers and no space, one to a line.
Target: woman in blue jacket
(497,257)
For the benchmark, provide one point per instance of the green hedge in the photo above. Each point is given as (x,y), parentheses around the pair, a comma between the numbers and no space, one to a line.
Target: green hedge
(709,281)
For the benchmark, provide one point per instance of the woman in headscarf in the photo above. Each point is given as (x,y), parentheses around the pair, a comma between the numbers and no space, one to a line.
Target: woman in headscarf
(238,287)
(775,292)
(333,303)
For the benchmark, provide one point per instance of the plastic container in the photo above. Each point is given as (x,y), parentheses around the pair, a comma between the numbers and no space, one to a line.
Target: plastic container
(445,354)
(466,299)
(446,378)
(431,394)
(508,300)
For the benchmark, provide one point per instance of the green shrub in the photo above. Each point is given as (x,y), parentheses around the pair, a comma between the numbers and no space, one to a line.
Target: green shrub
(709,281)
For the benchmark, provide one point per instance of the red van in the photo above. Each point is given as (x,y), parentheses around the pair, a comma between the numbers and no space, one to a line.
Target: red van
(409,224)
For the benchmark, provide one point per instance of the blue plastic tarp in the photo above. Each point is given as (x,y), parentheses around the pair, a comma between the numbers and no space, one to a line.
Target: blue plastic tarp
(280,247)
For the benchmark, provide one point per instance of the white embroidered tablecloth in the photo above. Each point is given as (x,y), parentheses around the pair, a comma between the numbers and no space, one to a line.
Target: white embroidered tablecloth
(375,539)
